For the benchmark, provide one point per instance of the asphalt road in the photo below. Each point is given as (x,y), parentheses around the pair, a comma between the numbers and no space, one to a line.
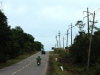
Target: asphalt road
(28,66)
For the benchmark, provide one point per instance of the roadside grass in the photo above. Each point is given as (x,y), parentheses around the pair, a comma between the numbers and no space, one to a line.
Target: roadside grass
(54,66)
(51,52)
(13,61)
(69,68)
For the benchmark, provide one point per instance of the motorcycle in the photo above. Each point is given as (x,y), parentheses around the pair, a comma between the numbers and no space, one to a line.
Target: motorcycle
(38,63)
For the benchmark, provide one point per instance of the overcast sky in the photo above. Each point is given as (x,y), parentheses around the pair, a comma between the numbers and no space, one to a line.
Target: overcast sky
(44,18)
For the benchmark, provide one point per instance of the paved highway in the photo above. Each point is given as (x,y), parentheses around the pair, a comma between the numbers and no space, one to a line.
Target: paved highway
(28,66)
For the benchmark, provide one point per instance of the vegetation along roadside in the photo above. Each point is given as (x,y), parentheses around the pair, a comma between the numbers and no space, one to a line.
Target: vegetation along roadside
(69,65)
(15,44)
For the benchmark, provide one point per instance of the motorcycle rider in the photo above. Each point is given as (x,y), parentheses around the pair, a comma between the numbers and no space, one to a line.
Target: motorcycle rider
(39,59)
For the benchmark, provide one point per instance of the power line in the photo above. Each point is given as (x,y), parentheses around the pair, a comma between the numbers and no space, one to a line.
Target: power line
(95,7)
(95,13)
(93,3)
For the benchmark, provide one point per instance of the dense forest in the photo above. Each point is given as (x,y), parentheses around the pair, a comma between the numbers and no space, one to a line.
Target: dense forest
(14,41)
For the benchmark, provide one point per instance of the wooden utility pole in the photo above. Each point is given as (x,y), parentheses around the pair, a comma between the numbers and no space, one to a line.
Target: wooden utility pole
(56,41)
(59,39)
(63,42)
(71,33)
(67,38)
(90,43)
(87,19)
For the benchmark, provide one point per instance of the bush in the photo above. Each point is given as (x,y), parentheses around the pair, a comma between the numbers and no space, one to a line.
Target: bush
(95,70)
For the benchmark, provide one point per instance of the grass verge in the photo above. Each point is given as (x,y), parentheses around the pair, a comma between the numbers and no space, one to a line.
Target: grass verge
(13,61)
(69,68)
(54,66)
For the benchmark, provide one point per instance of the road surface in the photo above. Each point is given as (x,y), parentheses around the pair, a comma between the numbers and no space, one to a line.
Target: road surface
(28,66)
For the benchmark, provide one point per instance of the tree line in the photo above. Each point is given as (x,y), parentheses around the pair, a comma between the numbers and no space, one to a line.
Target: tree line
(14,41)
(80,48)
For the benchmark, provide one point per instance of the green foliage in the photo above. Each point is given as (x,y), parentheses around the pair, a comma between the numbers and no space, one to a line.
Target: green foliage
(58,50)
(94,70)
(62,52)
(79,50)
(5,34)
(14,42)
(38,45)
(80,25)
(54,66)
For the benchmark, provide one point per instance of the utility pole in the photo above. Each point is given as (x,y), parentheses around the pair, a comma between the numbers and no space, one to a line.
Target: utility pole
(87,19)
(67,38)
(59,39)
(56,41)
(90,42)
(71,33)
(63,42)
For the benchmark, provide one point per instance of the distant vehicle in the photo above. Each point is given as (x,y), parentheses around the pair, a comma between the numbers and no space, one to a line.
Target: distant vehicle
(43,52)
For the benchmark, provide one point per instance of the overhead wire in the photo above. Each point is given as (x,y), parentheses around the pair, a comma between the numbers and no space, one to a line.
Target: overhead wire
(95,6)
(93,3)
(92,9)
(95,13)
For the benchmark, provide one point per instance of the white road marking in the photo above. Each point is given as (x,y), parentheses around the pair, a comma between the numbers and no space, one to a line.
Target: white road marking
(22,68)
(26,66)
(13,72)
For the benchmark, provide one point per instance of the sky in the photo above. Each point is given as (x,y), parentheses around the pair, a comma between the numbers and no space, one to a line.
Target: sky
(43,19)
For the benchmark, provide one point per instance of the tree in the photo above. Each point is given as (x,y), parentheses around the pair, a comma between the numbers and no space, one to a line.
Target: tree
(5,34)
(14,42)
(79,49)
(80,25)
(38,45)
